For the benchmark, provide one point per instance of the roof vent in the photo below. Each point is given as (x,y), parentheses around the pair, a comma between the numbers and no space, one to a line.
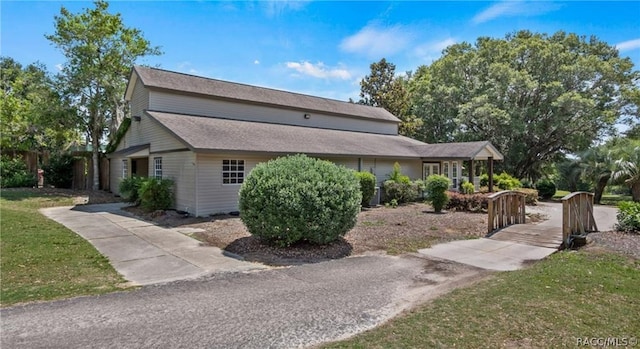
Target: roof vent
(307,116)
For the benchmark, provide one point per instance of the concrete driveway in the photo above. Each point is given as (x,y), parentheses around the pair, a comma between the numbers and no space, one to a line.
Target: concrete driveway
(141,251)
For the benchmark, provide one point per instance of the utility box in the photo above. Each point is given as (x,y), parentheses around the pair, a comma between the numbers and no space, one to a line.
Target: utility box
(375,200)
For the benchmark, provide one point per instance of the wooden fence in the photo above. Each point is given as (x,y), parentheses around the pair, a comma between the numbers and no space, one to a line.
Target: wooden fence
(577,216)
(83,172)
(505,208)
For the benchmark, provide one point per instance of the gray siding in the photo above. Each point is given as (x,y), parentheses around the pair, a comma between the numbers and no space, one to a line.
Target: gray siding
(168,102)
(381,168)
(180,167)
(147,131)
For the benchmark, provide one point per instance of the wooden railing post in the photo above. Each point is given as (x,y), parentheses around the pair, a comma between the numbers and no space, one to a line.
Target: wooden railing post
(505,208)
(577,216)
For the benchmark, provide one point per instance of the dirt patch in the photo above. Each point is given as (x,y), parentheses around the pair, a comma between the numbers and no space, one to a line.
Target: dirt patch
(624,243)
(379,230)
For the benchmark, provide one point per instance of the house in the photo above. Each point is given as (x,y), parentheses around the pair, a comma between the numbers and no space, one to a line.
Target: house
(206,135)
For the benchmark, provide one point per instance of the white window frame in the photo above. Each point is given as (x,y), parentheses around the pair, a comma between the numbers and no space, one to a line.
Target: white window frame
(454,175)
(233,171)
(445,169)
(125,168)
(157,167)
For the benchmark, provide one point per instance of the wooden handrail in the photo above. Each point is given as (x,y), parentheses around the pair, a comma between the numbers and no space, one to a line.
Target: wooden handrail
(577,216)
(505,208)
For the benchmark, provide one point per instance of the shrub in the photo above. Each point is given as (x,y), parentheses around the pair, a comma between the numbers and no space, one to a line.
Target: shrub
(531,197)
(402,192)
(129,188)
(397,176)
(436,189)
(59,171)
(527,183)
(485,189)
(503,181)
(156,194)
(468,188)
(628,217)
(546,189)
(14,174)
(467,202)
(298,198)
(367,186)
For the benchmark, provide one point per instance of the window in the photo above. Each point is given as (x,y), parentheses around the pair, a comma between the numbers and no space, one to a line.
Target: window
(232,171)
(445,169)
(157,168)
(125,168)
(454,174)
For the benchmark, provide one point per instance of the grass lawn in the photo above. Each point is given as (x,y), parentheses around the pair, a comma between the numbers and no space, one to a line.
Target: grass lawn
(607,199)
(571,295)
(43,260)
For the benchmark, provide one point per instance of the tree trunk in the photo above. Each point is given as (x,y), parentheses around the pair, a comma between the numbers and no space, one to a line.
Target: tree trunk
(600,185)
(95,156)
(635,191)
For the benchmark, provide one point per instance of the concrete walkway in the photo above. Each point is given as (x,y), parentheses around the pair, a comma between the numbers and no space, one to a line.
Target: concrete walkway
(508,255)
(141,251)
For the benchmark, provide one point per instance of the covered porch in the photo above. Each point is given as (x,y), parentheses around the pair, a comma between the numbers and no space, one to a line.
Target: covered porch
(459,161)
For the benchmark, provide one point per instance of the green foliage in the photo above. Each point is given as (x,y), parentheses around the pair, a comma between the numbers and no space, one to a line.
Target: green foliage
(298,198)
(100,51)
(156,194)
(367,186)
(130,187)
(436,189)
(468,188)
(467,202)
(627,171)
(532,95)
(383,89)
(399,187)
(122,130)
(527,183)
(397,176)
(393,203)
(546,188)
(628,217)
(59,171)
(14,174)
(504,181)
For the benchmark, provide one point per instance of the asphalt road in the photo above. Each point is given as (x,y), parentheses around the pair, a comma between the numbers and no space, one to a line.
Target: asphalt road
(279,308)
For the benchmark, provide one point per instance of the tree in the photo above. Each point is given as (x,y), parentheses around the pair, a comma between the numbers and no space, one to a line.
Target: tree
(100,52)
(627,170)
(597,164)
(534,96)
(382,88)
(33,114)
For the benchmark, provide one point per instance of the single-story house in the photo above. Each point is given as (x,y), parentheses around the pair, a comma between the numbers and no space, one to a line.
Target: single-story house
(206,135)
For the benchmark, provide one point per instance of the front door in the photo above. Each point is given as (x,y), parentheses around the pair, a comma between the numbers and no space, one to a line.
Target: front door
(430,168)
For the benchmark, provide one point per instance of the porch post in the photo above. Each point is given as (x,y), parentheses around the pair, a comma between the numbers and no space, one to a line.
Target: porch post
(471,172)
(490,165)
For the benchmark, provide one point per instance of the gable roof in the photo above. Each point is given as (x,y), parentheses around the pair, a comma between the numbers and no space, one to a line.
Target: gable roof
(461,150)
(207,134)
(190,84)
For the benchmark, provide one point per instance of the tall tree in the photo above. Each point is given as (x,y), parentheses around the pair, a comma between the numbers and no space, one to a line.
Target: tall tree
(100,52)
(33,114)
(534,96)
(382,88)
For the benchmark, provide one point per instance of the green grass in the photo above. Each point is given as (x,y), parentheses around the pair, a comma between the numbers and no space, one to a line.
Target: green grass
(551,304)
(43,260)
(560,194)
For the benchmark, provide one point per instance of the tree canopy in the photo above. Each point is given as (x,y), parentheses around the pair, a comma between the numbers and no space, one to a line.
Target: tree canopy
(534,96)
(100,52)
(33,114)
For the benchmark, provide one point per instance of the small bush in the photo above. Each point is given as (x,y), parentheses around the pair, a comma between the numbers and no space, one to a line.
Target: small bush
(503,181)
(527,183)
(298,198)
(14,174)
(468,188)
(467,202)
(397,176)
(367,187)
(546,189)
(436,189)
(402,192)
(531,197)
(156,194)
(59,171)
(485,189)
(628,217)
(129,188)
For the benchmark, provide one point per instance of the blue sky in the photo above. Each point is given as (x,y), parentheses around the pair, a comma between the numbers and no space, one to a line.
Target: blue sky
(321,48)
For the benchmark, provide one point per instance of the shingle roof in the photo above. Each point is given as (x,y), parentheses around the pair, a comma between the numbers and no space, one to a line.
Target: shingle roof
(462,150)
(184,83)
(214,134)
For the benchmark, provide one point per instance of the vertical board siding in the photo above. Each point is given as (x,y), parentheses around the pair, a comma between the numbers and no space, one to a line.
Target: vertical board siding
(173,103)
(180,167)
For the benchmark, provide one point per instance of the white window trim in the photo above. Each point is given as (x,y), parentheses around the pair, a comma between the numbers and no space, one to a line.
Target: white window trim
(125,168)
(157,172)
(455,174)
(239,174)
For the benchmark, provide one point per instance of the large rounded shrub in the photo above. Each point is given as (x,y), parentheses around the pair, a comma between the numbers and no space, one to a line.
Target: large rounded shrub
(436,188)
(546,188)
(367,186)
(298,198)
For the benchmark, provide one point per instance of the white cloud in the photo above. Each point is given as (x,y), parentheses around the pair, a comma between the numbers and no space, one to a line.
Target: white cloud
(628,45)
(256,62)
(435,47)
(376,42)
(516,8)
(319,70)
(275,8)
(59,66)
